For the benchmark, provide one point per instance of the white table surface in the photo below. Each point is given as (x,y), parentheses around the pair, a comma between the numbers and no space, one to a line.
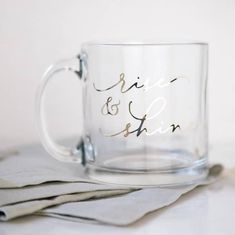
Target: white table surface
(206,210)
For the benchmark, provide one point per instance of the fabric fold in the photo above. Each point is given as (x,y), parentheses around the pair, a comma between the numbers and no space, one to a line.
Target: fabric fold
(31,182)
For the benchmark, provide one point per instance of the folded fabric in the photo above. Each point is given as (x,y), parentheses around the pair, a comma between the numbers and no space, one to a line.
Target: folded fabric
(128,208)
(32,182)
(15,202)
(48,190)
(25,208)
(122,210)
(31,165)
(104,210)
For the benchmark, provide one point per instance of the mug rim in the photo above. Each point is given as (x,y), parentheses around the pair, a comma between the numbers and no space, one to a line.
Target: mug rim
(144,43)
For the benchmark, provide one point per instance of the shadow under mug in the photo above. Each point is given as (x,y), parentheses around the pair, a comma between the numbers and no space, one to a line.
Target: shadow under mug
(144,109)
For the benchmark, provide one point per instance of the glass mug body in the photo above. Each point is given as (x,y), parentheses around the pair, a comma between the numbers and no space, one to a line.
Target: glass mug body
(145,116)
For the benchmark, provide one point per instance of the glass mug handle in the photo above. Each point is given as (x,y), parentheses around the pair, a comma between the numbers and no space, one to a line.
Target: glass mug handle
(57,151)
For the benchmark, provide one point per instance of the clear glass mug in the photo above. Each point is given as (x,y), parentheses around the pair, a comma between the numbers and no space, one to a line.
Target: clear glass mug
(144,109)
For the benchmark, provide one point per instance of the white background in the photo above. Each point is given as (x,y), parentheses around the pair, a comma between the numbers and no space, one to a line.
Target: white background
(34,34)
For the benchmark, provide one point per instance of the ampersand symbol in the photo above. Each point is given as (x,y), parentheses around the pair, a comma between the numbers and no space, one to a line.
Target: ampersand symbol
(108,109)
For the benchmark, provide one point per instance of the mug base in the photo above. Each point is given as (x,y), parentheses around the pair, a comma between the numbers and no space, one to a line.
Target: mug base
(167,178)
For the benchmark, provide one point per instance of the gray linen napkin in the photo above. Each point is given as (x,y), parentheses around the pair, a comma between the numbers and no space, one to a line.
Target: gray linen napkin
(30,180)
(48,190)
(21,170)
(128,208)
(31,165)
(122,210)
(29,207)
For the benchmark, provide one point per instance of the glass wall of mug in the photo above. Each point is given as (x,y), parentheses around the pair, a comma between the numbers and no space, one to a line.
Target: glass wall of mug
(145,113)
